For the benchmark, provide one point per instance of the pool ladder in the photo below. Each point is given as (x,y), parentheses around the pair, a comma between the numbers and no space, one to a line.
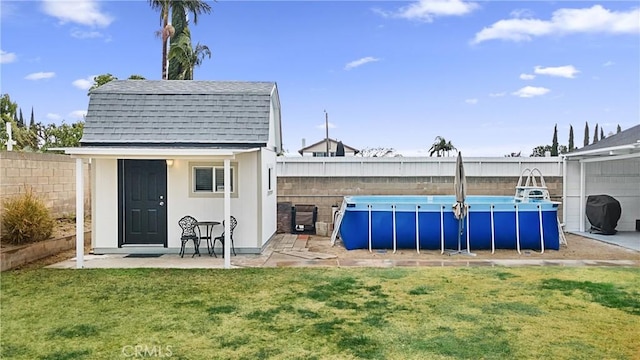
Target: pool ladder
(337,221)
(530,190)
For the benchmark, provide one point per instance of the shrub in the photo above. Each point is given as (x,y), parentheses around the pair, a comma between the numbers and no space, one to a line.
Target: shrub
(26,219)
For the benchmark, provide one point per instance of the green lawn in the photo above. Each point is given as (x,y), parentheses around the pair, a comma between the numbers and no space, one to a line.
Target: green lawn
(335,313)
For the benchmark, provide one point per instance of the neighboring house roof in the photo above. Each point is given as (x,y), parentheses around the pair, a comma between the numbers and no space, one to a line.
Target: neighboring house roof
(626,141)
(323,141)
(181,113)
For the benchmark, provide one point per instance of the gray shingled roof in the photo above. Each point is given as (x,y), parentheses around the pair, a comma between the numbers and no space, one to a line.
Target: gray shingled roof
(626,137)
(143,112)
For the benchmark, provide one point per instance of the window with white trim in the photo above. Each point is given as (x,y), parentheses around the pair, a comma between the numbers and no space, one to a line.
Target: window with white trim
(209,179)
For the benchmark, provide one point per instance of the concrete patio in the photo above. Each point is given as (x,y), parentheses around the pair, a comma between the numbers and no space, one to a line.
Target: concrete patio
(290,250)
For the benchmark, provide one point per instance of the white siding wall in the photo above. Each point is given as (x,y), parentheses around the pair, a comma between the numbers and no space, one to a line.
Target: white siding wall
(272,126)
(620,179)
(105,203)
(246,207)
(243,207)
(403,166)
(572,197)
(268,198)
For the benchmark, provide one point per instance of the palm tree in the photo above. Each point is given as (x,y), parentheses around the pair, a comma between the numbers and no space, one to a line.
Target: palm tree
(440,146)
(194,7)
(184,58)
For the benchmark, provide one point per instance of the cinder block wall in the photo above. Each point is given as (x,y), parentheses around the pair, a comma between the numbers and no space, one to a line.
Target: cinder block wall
(327,191)
(51,176)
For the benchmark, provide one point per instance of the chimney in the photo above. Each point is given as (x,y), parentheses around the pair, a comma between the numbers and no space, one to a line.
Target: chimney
(304,143)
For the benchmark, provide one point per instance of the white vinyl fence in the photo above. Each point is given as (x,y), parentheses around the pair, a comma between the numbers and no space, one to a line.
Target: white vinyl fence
(414,166)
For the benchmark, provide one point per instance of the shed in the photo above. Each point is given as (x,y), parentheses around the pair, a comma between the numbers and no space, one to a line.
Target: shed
(610,167)
(160,150)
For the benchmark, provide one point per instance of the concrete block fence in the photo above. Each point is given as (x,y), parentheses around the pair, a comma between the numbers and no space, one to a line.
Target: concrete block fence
(324,192)
(51,176)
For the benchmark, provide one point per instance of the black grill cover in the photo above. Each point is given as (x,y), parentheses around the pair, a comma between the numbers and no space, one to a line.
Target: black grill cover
(603,213)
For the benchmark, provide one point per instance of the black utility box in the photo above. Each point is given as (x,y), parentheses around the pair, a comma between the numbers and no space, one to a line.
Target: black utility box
(303,218)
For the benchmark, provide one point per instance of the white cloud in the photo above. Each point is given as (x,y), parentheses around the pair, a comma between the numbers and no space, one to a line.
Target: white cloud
(500,94)
(608,63)
(595,19)
(521,13)
(81,34)
(427,10)
(78,114)
(527,76)
(360,62)
(323,126)
(7,57)
(54,117)
(83,12)
(40,75)
(567,71)
(84,84)
(531,91)
(471,101)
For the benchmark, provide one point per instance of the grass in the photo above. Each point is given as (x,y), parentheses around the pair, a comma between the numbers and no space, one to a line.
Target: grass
(399,313)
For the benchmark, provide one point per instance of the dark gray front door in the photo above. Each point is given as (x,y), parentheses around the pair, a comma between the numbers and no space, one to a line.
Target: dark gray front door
(143,202)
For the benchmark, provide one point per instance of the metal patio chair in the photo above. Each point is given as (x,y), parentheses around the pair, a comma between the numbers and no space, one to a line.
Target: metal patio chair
(221,238)
(188,226)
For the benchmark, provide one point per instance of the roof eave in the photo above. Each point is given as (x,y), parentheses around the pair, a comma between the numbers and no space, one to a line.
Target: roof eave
(608,151)
(152,152)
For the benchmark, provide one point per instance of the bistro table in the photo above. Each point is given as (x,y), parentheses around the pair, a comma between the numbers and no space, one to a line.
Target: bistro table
(208,232)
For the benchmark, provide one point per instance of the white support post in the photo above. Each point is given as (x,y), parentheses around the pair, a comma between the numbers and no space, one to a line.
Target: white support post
(517,231)
(227,213)
(79,214)
(369,207)
(493,232)
(442,229)
(564,189)
(417,230)
(582,195)
(541,230)
(395,237)
(468,237)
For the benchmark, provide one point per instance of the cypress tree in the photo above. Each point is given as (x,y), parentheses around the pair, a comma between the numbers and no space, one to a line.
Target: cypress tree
(586,134)
(619,129)
(601,133)
(32,123)
(595,134)
(554,144)
(571,147)
(21,120)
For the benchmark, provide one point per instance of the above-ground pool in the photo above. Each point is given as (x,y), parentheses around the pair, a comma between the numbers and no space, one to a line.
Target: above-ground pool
(428,222)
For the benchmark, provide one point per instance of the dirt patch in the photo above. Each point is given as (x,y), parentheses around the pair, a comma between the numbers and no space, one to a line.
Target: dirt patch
(578,248)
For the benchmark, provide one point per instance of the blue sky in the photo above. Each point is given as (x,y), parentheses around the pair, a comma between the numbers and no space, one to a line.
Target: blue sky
(493,77)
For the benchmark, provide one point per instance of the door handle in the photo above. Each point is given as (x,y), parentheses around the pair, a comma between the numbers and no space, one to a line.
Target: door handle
(161,203)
